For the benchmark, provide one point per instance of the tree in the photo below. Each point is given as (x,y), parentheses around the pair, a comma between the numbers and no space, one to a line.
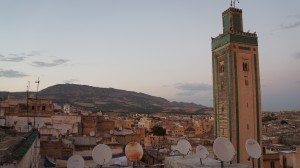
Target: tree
(282,122)
(159,131)
(269,118)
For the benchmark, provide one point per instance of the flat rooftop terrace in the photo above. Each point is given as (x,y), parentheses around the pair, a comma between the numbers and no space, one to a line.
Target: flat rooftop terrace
(12,144)
(193,161)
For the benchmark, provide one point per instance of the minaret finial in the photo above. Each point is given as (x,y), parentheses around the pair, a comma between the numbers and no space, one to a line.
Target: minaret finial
(233,2)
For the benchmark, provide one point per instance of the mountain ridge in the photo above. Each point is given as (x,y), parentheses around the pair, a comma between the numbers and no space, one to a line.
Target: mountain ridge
(110,100)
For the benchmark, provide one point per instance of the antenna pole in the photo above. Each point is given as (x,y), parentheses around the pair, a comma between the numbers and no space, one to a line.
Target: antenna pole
(233,2)
(36,97)
(28,87)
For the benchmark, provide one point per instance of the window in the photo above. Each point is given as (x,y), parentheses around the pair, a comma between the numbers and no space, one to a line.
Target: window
(44,108)
(246,82)
(221,67)
(32,107)
(222,85)
(272,164)
(245,66)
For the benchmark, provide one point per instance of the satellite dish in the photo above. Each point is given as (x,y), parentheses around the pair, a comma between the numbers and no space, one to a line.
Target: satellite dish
(184,147)
(102,154)
(111,131)
(92,133)
(253,148)
(134,151)
(223,149)
(202,152)
(75,161)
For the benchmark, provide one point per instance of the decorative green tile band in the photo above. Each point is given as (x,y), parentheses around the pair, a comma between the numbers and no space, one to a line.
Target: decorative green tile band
(237,108)
(215,100)
(224,39)
(22,150)
(257,104)
(237,22)
(229,94)
(244,48)
(226,23)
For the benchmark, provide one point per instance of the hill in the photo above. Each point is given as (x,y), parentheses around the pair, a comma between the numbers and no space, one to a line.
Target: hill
(110,100)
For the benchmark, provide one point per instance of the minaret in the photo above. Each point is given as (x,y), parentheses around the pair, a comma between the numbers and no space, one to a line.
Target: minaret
(236,84)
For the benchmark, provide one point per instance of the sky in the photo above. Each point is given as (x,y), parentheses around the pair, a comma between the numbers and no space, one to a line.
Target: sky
(158,47)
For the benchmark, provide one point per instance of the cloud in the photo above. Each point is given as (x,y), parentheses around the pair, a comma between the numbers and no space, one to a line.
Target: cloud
(193,86)
(203,98)
(11,74)
(71,81)
(33,53)
(186,94)
(13,59)
(192,89)
(17,57)
(291,22)
(52,64)
(297,55)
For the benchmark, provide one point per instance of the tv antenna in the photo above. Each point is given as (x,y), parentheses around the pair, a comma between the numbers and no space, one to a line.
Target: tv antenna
(38,83)
(28,88)
(233,3)
(36,96)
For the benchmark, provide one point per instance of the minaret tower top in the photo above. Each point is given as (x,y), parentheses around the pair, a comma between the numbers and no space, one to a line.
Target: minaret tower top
(232,20)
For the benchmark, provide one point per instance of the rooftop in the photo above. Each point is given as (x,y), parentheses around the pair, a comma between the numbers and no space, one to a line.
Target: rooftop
(193,161)
(13,146)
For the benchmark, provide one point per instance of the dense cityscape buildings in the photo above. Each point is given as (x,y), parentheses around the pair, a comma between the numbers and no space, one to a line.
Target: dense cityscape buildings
(61,133)
(38,132)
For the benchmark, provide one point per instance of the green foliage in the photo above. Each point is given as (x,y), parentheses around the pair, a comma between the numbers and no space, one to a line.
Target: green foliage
(269,118)
(282,122)
(158,130)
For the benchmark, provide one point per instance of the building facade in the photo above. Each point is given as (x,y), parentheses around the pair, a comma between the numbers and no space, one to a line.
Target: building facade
(236,84)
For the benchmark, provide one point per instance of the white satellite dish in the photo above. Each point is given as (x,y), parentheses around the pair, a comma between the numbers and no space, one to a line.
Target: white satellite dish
(202,152)
(253,148)
(134,151)
(92,133)
(223,149)
(111,131)
(102,154)
(75,161)
(184,147)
